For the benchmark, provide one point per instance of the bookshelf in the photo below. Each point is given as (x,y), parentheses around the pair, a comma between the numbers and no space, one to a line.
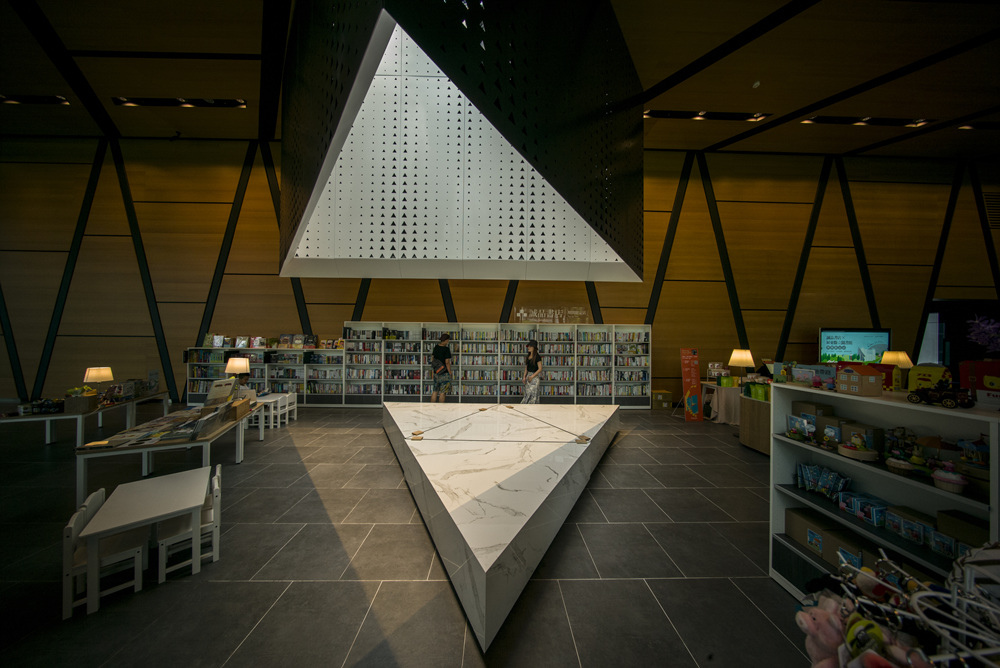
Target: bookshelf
(387,361)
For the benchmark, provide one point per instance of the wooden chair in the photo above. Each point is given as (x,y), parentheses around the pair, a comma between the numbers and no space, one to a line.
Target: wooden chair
(118,552)
(175,534)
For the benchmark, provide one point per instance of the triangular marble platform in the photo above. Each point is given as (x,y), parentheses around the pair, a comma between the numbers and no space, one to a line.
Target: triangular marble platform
(494,484)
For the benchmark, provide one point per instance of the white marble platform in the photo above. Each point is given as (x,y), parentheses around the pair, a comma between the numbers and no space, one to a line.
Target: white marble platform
(494,484)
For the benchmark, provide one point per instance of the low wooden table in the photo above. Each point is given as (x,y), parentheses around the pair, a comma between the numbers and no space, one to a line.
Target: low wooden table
(80,418)
(143,503)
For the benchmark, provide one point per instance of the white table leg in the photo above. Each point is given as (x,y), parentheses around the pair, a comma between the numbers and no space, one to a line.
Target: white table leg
(81,480)
(239,444)
(166,406)
(206,455)
(100,418)
(196,538)
(130,415)
(260,427)
(79,431)
(93,574)
(48,432)
(147,463)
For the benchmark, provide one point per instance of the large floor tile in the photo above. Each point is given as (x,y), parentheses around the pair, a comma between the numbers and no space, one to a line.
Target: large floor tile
(701,551)
(316,552)
(687,505)
(392,552)
(626,551)
(628,505)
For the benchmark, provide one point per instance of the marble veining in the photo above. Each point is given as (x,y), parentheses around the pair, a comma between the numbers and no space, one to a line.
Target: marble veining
(494,486)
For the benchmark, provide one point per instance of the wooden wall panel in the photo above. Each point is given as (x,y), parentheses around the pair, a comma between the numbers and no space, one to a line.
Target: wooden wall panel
(966,293)
(80,151)
(128,357)
(763,331)
(478,301)
(180,329)
(661,170)
(691,315)
(965,263)
(764,243)
(637,294)
(900,223)
(183,171)
(255,306)
(624,315)
(255,246)
(182,243)
(40,204)
(831,295)
(106,295)
(107,212)
(832,228)
(803,353)
(399,300)
(8,388)
(328,319)
(549,294)
(764,178)
(30,283)
(695,255)
(329,290)
(899,293)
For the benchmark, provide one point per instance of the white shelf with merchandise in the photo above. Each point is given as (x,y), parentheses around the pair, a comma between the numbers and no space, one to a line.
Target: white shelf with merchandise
(594,370)
(478,362)
(431,332)
(401,365)
(324,370)
(632,365)
(791,565)
(363,363)
(286,371)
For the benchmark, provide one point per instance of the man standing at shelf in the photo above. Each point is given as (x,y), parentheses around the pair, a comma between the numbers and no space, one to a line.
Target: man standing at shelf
(441,368)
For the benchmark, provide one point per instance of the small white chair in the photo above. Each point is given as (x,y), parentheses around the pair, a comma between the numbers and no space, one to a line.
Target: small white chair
(292,409)
(174,535)
(92,504)
(118,552)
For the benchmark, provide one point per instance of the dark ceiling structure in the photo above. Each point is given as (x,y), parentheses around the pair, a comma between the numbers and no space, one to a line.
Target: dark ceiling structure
(918,78)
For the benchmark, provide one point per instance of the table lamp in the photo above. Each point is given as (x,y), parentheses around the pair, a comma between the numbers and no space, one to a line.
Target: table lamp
(237,365)
(741,358)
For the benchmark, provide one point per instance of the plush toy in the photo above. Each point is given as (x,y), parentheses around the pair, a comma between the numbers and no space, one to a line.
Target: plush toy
(824,634)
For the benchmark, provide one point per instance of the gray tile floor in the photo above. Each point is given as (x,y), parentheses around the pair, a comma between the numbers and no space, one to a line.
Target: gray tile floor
(325,560)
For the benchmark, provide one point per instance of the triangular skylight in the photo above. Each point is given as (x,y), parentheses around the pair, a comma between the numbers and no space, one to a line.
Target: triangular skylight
(421,185)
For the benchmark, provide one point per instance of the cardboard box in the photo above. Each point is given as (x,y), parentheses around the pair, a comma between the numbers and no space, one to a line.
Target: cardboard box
(943,544)
(829,428)
(842,542)
(662,399)
(238,409)
(913,525)
(982,379)
(963,527)
(871,509)
(83,404)
(807,528)
(871,437)
(926,376)
(860,380)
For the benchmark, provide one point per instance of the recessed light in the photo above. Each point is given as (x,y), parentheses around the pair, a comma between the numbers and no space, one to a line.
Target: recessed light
(965,127)
(35,99)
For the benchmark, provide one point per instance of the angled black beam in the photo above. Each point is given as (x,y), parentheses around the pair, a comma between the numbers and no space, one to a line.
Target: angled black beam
(859,247)
(272,184)
(949,214)
(227,244)
(800,271)
(508,301)
(668,240)
(730,46)
(13,357)
(720,242)
(147,281)
(33,18)
(449,304)
(595,303)
(69,268)
(274,34)
(943,125)
(991,251)
(359,303)
(897,73)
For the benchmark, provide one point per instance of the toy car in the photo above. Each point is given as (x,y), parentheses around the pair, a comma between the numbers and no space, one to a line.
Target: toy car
(942,394)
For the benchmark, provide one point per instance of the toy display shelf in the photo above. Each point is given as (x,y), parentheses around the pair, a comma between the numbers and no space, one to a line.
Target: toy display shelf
(791,564)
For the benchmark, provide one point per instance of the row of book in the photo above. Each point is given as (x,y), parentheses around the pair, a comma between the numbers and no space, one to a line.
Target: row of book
(300,341)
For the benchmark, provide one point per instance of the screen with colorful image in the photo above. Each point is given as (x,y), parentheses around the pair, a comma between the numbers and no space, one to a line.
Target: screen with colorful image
(853,345)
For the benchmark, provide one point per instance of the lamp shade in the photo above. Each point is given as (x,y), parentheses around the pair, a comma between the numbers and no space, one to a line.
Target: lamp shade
(897,357)
(741,357)
(237,365)
(98,374)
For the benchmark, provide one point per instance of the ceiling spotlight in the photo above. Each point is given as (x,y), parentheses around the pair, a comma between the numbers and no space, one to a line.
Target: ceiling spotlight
(756,118)
(917,123)
(645,113)
(700,116)
(965,127)
(808,121)
(185,103)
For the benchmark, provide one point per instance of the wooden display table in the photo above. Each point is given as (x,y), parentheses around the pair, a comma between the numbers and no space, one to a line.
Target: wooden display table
(755,424)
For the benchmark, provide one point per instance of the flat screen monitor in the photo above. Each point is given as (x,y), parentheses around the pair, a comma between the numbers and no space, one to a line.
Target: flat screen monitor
(853,345)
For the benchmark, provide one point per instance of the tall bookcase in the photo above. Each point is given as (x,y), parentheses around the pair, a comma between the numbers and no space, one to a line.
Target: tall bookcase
(791,565)
(390,361)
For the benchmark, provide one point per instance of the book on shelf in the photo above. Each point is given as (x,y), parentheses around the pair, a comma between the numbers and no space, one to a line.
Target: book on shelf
(227,342)
(298,341)
(309,341)
(218,340)
(207,341)
(258,342)
(285,341)
(242,342)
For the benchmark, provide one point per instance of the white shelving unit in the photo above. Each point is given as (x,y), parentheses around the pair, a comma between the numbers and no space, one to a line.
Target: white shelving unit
(790,564)
(386,361)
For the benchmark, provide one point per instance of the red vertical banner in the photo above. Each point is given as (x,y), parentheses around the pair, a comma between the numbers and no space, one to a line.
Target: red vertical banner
(691,384)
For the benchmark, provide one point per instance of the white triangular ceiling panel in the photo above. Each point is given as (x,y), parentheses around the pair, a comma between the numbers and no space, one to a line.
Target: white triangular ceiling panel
(423,186)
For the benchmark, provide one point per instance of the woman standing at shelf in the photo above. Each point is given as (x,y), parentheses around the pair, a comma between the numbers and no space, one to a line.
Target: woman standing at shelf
(532,371)
(441,368)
